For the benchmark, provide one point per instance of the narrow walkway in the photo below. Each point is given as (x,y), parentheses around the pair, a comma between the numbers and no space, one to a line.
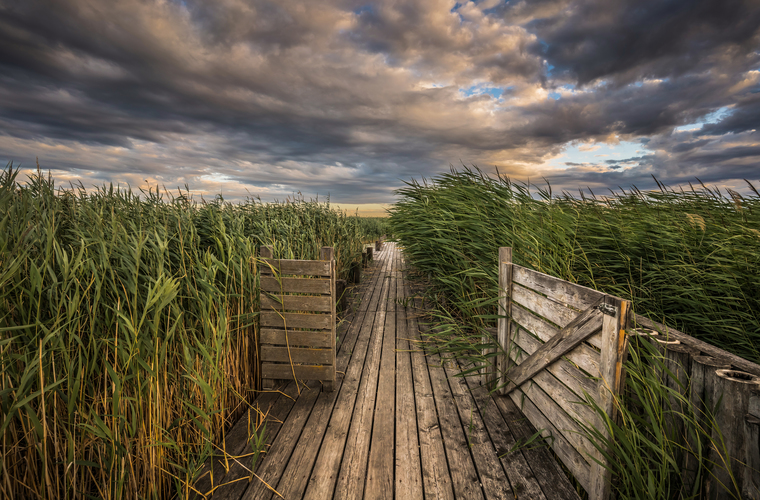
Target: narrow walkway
(398,425)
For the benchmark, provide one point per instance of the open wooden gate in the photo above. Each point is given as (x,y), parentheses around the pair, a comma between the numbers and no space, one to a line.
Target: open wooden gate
(298,318)
(563,341)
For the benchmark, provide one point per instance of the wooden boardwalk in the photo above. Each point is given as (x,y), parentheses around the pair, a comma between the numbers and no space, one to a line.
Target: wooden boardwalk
(398,424)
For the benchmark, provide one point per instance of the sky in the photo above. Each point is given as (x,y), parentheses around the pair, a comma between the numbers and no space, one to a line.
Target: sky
(348,99)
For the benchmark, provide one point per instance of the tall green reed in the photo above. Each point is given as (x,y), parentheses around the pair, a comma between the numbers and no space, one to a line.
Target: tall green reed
(128,330)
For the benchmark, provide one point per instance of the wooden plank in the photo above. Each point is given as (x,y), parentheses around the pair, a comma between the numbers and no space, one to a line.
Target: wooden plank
(328,254)
(576,296)
(297,303)
(564,423)
(704,347)
(614,345)
(295,285)
(295,267)
(554,311)
(521,478)
(350,483)
(464,477)
(408,469)
(566,452)
(271,319)
(278,455)
(232,484)
(554,483)
(380,466)
(302,372)
(576,380)
(584,356)
(565,385)
(584,325)
(504,325)
(296,338)
(325,472)
(490,472)
(436,480)
(296,355)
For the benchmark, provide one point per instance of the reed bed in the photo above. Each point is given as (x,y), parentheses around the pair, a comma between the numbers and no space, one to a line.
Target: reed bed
(686,258)
(128,329)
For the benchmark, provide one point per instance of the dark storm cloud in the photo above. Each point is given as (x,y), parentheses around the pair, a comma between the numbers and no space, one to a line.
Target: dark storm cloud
(350,97)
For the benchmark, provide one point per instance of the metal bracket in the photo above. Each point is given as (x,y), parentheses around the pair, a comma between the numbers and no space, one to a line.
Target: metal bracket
(608,309)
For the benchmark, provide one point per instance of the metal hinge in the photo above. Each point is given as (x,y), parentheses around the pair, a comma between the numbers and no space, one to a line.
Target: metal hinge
(608,309)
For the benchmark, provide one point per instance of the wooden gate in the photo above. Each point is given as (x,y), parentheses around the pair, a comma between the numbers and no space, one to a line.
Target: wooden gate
(298,318)
(563,341)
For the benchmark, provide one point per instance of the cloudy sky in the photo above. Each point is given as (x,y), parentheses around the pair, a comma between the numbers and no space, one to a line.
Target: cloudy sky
(347,98)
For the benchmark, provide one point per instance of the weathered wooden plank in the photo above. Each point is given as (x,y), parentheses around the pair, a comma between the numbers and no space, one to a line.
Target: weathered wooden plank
(583,355)
(296,338)
(566,371)
(328,254)
(504,326)
(296,303)
(272,319)
(302,372)
(521,478)
(325,472)
(295,267)
(554,311)
(350,483)
(576,296)
(614,346)
(436,479)
(563,422)
(464,477)
(565,385)
(295,285)
(490,472)
(380,466)
(408,469)
(231,485)
(566,452)
(542,462)
(704,347)
(278,455)
(584,325)
(296,355)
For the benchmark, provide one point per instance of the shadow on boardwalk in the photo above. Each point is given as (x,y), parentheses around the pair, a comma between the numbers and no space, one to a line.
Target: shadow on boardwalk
(398,425)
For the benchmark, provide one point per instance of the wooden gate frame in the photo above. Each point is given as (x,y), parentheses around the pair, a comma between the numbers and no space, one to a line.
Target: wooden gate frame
(297,320)
(562,340)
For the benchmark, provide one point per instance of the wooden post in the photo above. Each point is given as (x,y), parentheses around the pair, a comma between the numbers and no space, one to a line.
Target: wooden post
(488,373)
(355,273)
(266,252)
(733,389)
(617,316)
(327,253)
(751,485)
(700,396)
(341,296)
(504,333)
(369,254)
(678,363)
(378,245)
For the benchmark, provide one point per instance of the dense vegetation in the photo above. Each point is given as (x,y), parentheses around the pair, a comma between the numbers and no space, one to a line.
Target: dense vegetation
(128,329)
(688,258)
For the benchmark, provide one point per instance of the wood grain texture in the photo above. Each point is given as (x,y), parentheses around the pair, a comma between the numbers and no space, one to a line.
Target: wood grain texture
(580,328)
(285,371)
(273,319)
(576,296)
(295,285)
(297,355)
(554,311)
(278,302)
(296,338)
(281,267)
(504,326)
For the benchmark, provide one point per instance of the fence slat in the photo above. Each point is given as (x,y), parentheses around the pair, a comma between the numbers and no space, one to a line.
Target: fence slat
(296,355)
(295,285)
(295,338)
(298,267)
(279,302)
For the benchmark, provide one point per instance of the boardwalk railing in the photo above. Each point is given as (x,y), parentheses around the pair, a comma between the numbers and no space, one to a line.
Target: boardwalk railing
(563,341)
(298,319)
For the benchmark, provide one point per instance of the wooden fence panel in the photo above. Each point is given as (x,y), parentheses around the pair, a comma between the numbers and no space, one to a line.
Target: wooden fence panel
(298,318)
